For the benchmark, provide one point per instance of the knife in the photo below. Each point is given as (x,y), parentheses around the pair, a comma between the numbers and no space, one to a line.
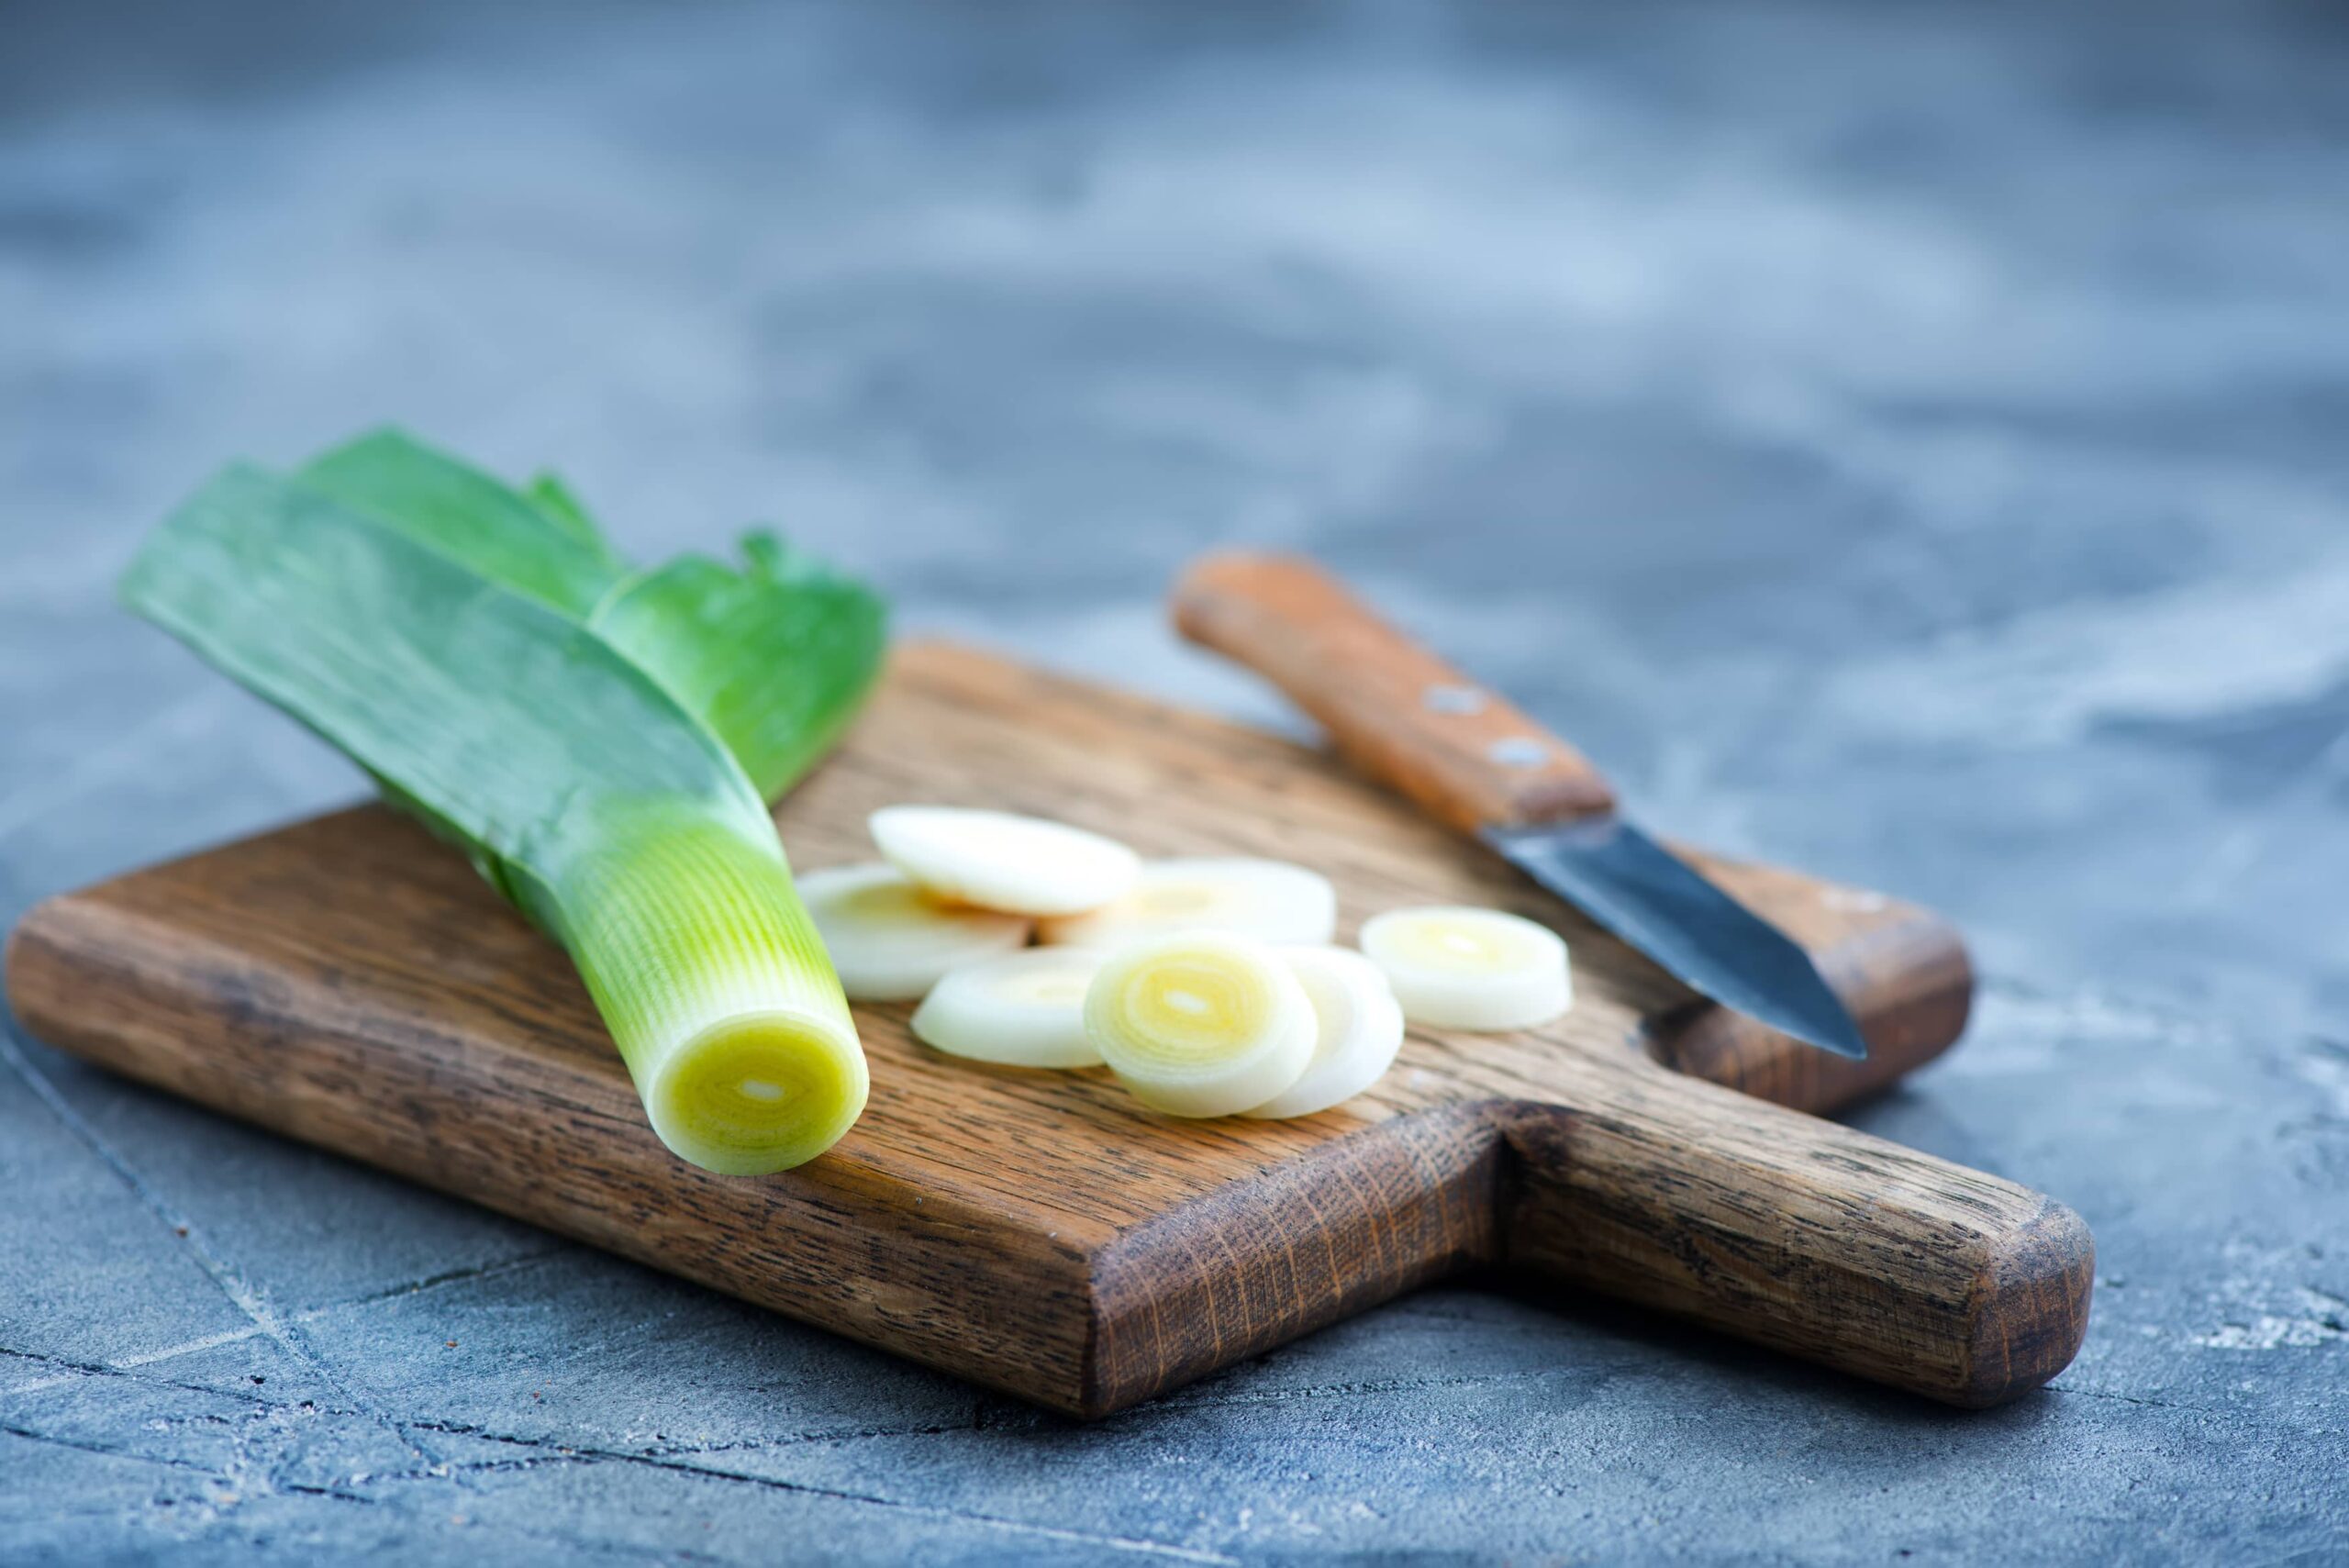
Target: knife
(1463,755)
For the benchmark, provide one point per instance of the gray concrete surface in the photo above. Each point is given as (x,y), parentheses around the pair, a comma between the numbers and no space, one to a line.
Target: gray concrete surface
(1907,441)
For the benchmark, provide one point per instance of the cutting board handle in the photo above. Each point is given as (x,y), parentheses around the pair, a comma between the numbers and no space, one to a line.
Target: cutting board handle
(1799,1234)
(1457,748)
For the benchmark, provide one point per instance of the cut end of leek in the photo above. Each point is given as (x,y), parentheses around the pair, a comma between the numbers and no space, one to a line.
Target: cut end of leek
(1463,968)
(999,859)
(1270,901)
(758,1092)
(714,982)
(1200,1024)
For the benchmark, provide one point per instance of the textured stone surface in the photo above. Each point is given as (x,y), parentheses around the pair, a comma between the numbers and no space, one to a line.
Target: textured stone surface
(1906,442)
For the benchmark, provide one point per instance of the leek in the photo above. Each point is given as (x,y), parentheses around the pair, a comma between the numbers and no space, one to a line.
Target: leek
(446,644)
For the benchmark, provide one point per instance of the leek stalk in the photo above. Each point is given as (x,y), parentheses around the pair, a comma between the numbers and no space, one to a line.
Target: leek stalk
(446,644)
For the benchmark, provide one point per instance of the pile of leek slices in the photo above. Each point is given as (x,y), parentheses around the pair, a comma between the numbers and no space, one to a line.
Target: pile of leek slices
(1210,988)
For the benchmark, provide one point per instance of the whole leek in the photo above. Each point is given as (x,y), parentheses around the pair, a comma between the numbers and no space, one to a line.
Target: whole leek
(446,643)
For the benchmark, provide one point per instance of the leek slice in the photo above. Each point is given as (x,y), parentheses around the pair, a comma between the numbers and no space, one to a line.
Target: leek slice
(612,817)
(1200,1023)
(1358,1029)
(999,860)
(1470,969)
(890,940)
(1270,901)
(1024,1009)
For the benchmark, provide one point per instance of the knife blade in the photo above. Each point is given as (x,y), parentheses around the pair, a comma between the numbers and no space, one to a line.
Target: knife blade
(1658,903)
(1469,758)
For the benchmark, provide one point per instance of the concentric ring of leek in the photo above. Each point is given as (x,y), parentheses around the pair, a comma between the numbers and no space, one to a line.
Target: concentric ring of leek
(1200,1024)
(758,1092)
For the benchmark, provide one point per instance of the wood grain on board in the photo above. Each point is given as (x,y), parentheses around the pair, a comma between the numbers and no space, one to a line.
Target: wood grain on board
(348,982)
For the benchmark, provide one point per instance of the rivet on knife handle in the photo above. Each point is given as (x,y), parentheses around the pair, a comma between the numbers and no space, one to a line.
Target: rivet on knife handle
(1461,752)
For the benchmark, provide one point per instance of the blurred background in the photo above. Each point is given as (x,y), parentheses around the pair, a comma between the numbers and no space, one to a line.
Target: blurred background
(1906,442)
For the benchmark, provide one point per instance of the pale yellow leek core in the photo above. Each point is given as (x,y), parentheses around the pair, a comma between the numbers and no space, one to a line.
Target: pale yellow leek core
(1184,1013)
(757,1093)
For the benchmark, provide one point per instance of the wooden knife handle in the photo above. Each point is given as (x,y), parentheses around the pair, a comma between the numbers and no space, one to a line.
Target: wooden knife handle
(1795,1233)
(1398,713)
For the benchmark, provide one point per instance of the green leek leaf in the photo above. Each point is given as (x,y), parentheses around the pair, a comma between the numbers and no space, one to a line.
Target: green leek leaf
(774,658)
(465,513)
(720,641)
(553,497)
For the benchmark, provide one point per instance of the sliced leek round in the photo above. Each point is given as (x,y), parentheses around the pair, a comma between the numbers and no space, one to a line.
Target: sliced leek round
(1470,969)
(1200,1023)
(1270,901)
(1358,1028)
(1024,1009)
(891,940)
(1001,860)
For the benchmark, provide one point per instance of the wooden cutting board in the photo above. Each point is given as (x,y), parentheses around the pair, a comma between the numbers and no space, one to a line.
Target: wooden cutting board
(349,981)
